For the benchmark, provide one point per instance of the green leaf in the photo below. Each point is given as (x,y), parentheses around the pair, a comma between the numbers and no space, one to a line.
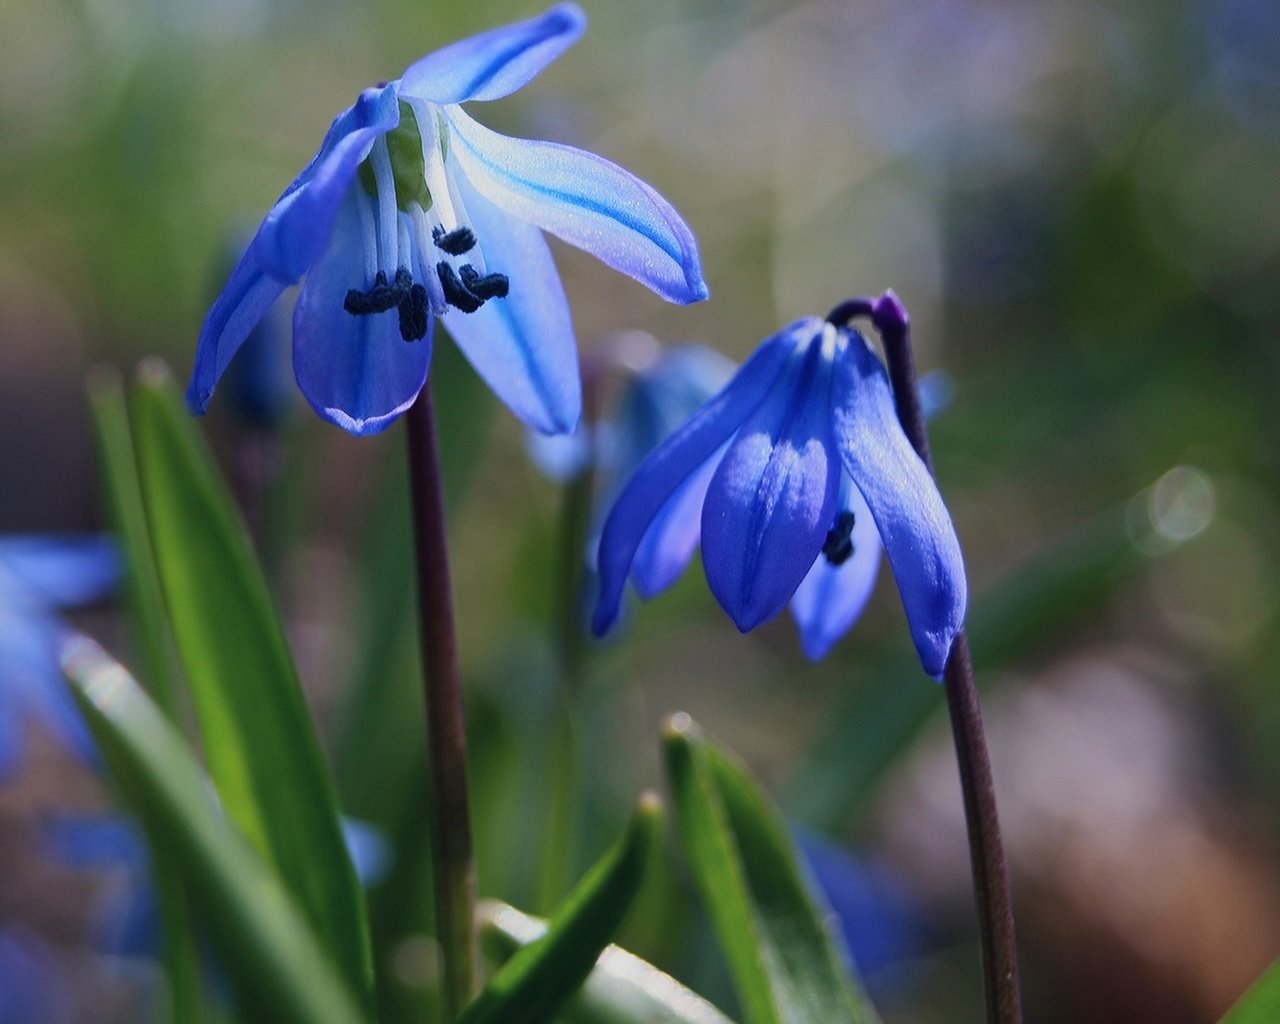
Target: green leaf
(128,519)
(786,967)
(533,985)
(258,739)
(621,989)
(1261,1002)
(264,944)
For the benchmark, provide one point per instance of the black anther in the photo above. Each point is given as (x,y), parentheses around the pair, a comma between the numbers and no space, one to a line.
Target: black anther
(455,292)
(491,286)
(381,297)
(838,547)
(414,314)
(454,242)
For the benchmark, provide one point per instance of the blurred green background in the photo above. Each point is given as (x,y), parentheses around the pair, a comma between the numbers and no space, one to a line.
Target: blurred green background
(1080,205)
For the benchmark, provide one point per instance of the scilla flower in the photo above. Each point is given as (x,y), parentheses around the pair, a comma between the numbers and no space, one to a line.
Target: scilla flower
(411,210)
(807,471)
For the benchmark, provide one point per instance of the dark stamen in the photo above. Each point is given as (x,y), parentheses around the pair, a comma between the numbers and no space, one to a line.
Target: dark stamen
(381,297)
(414,314)
(455,242)
(455,292)
(838,547)
(491,286)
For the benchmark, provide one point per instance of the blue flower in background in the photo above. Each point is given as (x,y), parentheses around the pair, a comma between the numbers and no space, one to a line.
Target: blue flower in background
(128,922)
(805,466)
(32,987)
(38,576)
(412,210)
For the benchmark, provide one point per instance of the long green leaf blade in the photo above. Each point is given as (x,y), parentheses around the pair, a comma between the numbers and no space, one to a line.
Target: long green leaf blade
(1261,1002)
(621,989)
(265,945)
(533,985)
(786,967)
(258,738)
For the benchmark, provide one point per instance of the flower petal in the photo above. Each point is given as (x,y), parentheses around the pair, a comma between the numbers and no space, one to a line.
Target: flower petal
(669,541)
(585,200)
(522,345)
(243,302)
(356,371)
(290,239)
(773,497)
(908,510)
(831,597)
(496,63)
(671,463)
(296,230)
(60,571)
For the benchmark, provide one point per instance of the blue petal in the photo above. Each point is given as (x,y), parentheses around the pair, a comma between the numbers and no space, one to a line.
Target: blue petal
(31,683)
(522,345)
(61,571)
(585,200)
(369,850)
(773,498)
(495,63)
(356,371)
(913,522)
(675,531)
(11,740)
(295,232)
(290,239)
(96,841)
(671,463)
(831,597)
(243,302)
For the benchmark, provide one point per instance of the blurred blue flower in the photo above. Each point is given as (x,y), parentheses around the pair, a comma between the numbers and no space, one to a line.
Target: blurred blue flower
(880,920)
(128,921)
(411,210)
(803,465)
(38,576)
(32,989)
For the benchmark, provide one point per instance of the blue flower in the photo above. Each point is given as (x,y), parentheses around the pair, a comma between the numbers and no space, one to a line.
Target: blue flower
(38,576)
(411,210)
(792,477)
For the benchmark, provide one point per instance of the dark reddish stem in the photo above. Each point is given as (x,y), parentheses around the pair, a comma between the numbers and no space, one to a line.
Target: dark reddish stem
(452,861)
(986,851)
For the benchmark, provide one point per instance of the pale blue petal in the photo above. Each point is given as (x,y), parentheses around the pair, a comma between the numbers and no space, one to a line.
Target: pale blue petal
(585,200)
(290,239)
(369,850)
(831,597)
(296,230)
(522,345)
(773,497)
(243,302)
(31,683)
(61,571)
(356,371)
(908,510)
(669,541)
(671,463)
(495,63)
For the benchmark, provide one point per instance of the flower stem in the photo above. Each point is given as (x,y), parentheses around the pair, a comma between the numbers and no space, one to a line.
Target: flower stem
(452,862)
(986,851)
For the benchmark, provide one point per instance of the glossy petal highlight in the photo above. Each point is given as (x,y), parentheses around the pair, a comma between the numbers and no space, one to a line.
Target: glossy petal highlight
(523,345)
(773,497)
(356,371)
(909,513)
(671,463)
(496,63)
(587,201)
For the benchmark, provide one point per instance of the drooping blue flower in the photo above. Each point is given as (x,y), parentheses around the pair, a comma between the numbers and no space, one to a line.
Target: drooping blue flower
(38,576)
(411,210)
(787,477)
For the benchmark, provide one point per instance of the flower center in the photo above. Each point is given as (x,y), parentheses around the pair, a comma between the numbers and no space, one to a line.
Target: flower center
(838,547)
(422,256)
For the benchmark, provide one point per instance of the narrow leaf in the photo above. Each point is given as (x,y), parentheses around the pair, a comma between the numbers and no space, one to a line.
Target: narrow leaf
(264,944)
(535,983)
(785,963)
(1261,1002)
(621,989)
(259,741)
